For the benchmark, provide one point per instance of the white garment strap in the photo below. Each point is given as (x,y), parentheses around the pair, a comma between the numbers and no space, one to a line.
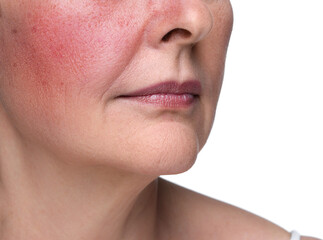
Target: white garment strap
(295,236)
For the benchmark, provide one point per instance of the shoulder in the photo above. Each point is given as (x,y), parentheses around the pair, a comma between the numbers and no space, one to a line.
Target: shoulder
(201,217)
(309,238)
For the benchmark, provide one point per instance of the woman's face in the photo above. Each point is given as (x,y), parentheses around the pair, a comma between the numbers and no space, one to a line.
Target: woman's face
(74,76)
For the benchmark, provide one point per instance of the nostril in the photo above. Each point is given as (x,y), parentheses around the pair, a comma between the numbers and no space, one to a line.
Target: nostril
(176,33)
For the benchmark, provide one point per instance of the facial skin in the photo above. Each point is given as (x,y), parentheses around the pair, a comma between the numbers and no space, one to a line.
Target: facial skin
(63,64)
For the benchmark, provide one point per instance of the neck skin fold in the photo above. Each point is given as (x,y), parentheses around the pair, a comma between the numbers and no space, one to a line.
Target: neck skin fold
(44,198)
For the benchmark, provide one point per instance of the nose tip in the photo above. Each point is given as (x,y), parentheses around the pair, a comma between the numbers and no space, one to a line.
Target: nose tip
(180,23)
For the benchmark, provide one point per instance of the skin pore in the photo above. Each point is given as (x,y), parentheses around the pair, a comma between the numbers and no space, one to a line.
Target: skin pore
(77,161)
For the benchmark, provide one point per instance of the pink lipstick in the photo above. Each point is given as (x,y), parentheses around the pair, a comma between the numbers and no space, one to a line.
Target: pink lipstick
(168,94)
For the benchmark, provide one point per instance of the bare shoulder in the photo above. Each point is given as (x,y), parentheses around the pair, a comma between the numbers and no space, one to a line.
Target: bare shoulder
(200,217)
(309,238)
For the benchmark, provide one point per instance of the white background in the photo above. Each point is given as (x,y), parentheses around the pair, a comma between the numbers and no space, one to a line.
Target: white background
(265,152)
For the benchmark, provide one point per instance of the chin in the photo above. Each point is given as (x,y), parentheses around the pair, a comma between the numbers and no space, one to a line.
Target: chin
(165,149)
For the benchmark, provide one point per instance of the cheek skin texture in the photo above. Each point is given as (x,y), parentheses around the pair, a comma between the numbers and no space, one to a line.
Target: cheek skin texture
(58,50)
(57,39)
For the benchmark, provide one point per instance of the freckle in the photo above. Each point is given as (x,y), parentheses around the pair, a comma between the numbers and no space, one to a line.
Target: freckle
(14,31)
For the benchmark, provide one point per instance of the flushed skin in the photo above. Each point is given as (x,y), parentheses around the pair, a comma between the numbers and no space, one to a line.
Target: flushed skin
(65,62)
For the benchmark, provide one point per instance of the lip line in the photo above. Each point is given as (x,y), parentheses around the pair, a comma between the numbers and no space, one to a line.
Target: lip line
(192,87)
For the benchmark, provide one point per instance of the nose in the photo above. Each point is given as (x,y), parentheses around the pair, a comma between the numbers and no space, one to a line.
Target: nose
(179,23)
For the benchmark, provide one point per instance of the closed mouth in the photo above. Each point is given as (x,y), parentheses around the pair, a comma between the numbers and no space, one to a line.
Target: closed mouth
(167,94)
(171,87)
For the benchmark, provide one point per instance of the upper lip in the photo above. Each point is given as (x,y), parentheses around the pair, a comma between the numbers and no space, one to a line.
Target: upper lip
(192,87)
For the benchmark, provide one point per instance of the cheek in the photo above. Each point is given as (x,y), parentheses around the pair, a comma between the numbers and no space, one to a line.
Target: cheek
(61,64)
(79,45)
(59,58)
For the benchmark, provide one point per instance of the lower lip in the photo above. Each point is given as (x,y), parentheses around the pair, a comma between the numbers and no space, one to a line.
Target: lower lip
(166,100)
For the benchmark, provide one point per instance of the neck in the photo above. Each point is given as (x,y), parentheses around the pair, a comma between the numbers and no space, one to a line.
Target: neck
(43,198)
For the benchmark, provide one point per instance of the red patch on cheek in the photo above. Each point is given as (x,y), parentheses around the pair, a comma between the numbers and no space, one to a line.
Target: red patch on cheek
(57,40)
(65,55)
(65,58)
(76,44)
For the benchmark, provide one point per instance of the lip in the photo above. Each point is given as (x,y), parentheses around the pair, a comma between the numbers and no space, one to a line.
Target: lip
(169,94)
(171,87)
